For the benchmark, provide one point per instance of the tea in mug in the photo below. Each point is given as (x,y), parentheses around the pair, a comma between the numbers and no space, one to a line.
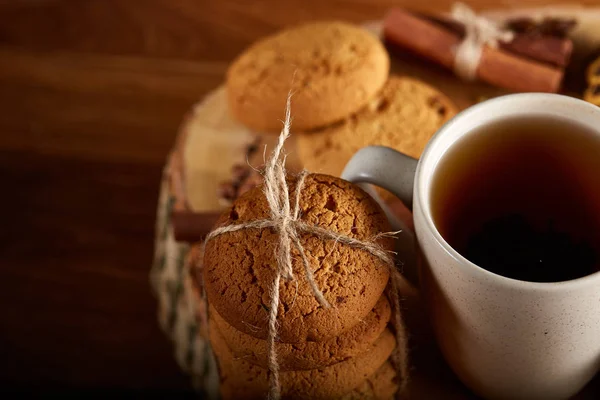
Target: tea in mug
(521,198)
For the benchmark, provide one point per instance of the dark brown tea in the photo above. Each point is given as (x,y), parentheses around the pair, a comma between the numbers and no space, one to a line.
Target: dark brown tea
(521,198)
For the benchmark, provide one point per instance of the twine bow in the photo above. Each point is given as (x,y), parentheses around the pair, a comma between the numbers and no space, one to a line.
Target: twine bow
(479,32)
(285,220)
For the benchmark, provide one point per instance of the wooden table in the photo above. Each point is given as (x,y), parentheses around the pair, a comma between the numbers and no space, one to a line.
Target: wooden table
(91,94)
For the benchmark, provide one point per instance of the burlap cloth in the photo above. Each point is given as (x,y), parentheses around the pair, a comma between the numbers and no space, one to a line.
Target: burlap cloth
(179,313)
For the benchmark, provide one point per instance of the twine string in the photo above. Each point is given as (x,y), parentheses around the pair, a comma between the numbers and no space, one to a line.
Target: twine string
(479,32)
(285,220)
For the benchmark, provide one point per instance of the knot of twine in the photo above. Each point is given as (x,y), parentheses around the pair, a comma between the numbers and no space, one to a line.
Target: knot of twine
(479,32)
(285,220)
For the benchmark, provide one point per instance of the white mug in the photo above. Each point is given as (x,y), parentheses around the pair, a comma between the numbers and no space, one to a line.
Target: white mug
(504,338)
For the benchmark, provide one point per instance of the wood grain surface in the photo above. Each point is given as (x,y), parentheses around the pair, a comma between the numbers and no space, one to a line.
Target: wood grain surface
(91,94)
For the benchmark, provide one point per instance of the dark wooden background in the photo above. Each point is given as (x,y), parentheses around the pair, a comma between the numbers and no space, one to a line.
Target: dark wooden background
(91,94)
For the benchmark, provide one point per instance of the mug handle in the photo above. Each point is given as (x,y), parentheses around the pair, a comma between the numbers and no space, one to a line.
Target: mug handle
(395,172)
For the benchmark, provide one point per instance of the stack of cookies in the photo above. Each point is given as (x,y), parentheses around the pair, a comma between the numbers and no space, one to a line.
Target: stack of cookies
(341,352)
(342,99)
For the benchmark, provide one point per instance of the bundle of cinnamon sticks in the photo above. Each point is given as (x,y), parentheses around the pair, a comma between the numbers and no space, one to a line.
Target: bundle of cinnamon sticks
(533,61)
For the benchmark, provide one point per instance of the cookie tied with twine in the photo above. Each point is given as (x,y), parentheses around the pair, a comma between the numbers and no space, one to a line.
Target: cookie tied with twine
(302,258)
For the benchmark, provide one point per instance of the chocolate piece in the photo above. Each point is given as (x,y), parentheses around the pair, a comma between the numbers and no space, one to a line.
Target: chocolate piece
(243,176)
(227,191)
(521,25)
(556,27)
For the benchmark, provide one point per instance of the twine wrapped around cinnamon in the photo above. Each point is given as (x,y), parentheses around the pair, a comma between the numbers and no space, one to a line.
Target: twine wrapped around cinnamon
(479,32)
(475,47)
(285,220)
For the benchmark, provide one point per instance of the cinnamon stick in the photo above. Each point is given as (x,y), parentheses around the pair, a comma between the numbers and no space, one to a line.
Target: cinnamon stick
(497,66)
(191,226)
(554,50)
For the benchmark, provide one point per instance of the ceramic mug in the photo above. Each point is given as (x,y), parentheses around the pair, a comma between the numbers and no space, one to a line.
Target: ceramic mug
(504,338)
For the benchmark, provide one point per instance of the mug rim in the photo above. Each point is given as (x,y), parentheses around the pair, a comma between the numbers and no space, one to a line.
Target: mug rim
(421,193)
